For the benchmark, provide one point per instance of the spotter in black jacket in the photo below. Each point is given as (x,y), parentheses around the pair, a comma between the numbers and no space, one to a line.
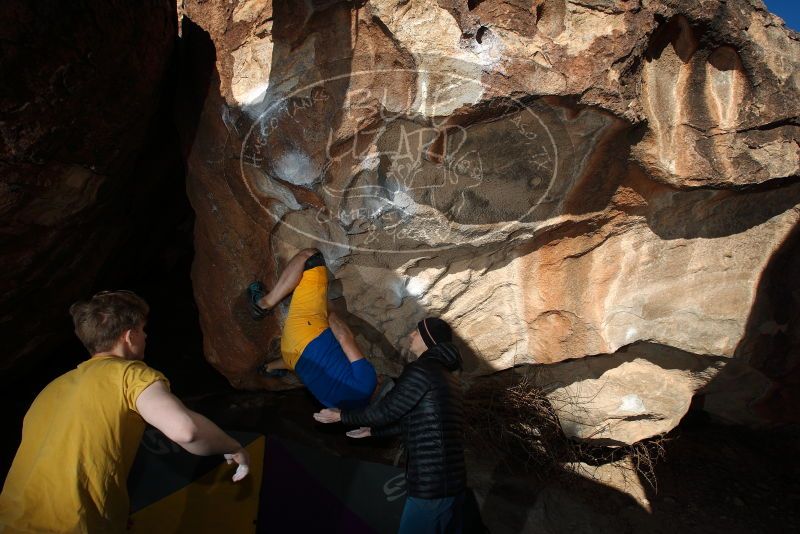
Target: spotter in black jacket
(426,406)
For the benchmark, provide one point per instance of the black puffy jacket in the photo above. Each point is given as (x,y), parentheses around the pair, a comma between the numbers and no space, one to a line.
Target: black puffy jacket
(426,406)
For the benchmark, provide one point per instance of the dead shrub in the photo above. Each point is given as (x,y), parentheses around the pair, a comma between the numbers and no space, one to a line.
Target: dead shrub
(510,419)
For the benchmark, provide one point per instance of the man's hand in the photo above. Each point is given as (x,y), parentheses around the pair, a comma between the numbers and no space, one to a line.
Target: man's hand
(242,458)
(340,330)
(328,415)
(363,432)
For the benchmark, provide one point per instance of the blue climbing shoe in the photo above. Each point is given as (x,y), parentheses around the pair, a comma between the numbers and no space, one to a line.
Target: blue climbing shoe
(255,292)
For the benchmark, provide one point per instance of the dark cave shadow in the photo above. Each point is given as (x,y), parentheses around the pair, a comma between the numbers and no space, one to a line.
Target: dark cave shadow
(561,502)
(710,213)
(197,58)
(175,338)
(770,346)
(665,356)
(721,478)
(85,89)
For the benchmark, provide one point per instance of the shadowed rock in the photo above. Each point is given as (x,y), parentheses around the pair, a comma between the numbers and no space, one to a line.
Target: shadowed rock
(79,95)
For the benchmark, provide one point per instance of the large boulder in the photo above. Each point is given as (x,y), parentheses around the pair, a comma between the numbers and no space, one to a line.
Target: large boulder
(593,188)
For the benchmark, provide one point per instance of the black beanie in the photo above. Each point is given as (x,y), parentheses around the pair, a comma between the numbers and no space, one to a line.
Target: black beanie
(434,330)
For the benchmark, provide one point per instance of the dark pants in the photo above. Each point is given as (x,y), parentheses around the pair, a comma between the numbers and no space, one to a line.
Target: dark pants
(435,516)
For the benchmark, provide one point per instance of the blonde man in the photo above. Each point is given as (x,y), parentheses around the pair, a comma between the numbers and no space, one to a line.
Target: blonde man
(81,433)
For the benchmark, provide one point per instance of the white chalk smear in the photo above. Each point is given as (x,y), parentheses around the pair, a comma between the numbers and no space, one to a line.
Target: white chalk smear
(631,403)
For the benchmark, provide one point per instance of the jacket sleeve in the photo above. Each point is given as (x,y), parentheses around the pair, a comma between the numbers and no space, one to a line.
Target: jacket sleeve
(387,431)
(409,388)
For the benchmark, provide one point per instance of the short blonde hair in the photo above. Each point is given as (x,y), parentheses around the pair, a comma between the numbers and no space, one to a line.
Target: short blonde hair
(100,321)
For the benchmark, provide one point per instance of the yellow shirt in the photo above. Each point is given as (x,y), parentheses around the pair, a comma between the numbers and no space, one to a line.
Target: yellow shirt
(79,439)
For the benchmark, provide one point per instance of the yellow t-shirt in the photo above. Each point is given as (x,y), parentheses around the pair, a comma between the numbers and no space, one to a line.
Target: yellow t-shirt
(79,439)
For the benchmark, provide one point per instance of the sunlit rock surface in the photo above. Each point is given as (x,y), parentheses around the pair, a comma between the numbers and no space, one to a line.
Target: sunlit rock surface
(597,188)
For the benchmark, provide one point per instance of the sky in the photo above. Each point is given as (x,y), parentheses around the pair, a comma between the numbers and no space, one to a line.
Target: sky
(788,10)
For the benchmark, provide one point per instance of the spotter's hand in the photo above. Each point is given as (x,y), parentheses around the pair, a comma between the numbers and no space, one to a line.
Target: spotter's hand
(328,415)
(363,432)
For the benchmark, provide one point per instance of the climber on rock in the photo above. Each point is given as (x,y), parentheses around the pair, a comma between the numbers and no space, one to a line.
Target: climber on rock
(81,433)
(426,406)
(318,346)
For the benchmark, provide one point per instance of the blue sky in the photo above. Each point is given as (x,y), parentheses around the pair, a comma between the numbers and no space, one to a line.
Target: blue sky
(788,10)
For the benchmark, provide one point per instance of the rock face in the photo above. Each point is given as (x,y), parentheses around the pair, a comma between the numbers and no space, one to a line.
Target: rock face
(595,188)
(78,90)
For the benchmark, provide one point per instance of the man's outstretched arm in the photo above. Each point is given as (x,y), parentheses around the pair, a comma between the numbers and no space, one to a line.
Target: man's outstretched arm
(189,429)
(387,431)
(409,388)
(380,432)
